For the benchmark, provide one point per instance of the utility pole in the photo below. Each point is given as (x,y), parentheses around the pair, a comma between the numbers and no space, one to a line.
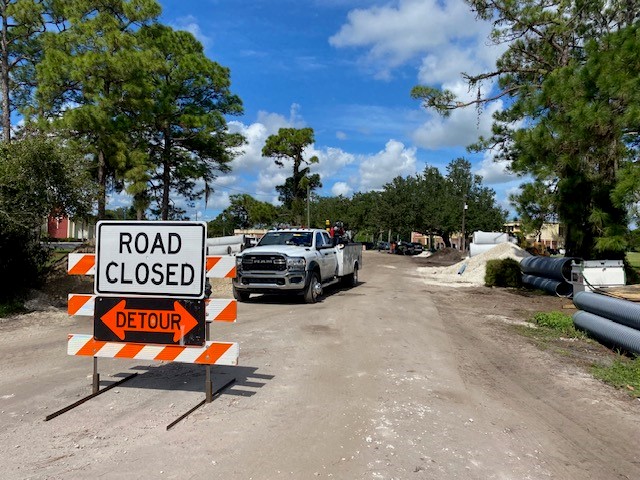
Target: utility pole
(464,210)
(308,208)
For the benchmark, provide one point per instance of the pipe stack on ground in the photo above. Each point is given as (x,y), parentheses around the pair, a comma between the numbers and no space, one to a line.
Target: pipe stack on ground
(225,245)
(552,275)
(484,241)
(612,321)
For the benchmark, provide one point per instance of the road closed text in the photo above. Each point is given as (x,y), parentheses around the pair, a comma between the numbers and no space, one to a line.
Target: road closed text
(153,258)
(155,273)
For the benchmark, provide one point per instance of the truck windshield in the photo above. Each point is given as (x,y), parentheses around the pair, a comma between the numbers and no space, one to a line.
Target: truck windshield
(301,239)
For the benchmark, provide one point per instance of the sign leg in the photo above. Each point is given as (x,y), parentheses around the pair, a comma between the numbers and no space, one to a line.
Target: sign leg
(96,376)
(208,387)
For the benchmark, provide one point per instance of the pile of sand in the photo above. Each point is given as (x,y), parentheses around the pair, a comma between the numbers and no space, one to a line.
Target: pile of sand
(470,271)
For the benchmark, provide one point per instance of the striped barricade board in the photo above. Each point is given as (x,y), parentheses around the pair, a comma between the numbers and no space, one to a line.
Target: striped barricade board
(218,266)
(216,310)
(212,353)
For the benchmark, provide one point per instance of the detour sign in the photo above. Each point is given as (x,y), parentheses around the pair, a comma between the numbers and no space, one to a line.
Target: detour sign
(150,320)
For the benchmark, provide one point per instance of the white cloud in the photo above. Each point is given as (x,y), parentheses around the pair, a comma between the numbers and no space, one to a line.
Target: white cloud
(397,32)
(190,24)
(330,160)
(494,172)
(341,135)
(341,188)
(384,166)
(461,128)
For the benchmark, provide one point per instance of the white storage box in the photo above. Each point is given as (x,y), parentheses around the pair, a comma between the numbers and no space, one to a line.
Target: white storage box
(591,274)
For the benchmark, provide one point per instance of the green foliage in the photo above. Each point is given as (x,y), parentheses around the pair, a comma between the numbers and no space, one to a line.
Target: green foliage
(503,273)
(534,205)
(571,76)
(433,203)
(11,307)
(185,128)
(25,21)
(97,65)
(289,144)
(23,261)
(244,212)
(557,321)
(37,177)
(623,373)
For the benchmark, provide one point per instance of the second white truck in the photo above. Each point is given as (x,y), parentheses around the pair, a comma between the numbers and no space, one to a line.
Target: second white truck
(300,260)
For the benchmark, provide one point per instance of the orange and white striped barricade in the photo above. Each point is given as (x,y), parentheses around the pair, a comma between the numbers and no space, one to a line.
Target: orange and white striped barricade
(216,309)
(130,315)
(218,266)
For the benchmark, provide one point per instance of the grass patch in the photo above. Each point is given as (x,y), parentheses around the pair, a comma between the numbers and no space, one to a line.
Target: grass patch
(11,307)
(624,373)
(558,323)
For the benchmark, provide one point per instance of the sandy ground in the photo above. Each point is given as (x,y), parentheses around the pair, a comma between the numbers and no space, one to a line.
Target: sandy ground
(393,379)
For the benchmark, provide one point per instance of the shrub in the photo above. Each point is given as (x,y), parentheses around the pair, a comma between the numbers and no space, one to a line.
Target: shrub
(23,262)
(503,273)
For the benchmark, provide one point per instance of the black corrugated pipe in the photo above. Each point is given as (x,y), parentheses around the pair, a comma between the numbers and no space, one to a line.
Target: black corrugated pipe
(558,268)
(620,311)
(608,332)
(561,289)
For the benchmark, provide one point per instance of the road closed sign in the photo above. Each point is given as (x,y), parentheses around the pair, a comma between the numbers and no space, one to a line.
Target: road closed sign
(150,258)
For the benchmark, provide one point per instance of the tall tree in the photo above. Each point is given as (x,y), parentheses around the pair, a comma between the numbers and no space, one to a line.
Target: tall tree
(458,188)
(289,144)
(92,81)
(544,130)
(187,134)
(23,21)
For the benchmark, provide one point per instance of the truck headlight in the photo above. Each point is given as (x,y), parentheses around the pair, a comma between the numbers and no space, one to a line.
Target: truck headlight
(238,263)
(296,263)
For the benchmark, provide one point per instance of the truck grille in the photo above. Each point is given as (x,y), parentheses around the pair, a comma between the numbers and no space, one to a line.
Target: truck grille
(270,263)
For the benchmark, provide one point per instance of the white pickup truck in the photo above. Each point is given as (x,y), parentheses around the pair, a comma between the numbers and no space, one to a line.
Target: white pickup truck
(300,261)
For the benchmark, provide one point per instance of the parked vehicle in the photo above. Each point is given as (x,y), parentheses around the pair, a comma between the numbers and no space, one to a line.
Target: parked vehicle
(404,248)
(383,246)
(418,248)
(301,261)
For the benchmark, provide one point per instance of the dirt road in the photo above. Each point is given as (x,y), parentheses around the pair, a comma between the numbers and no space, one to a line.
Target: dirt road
(393,379)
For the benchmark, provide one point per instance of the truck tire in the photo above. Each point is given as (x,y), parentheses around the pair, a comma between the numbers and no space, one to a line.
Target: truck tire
(313,291)
(240,296)
(351,280)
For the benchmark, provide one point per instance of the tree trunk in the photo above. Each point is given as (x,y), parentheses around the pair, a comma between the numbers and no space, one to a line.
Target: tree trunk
(4,75)
(102,185)
(166,173)
(446,239)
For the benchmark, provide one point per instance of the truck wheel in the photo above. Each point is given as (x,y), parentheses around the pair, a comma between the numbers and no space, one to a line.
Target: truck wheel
(351,280)
(240,296)
(313,290)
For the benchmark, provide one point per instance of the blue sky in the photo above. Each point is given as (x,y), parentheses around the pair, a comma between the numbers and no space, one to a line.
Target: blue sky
(344,68)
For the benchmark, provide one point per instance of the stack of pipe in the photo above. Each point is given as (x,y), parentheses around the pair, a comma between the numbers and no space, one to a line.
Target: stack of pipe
(225,245)
(484,241)
(613,321)
(552,275)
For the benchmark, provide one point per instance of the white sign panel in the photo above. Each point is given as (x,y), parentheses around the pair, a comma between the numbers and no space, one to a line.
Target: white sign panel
(150,258)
